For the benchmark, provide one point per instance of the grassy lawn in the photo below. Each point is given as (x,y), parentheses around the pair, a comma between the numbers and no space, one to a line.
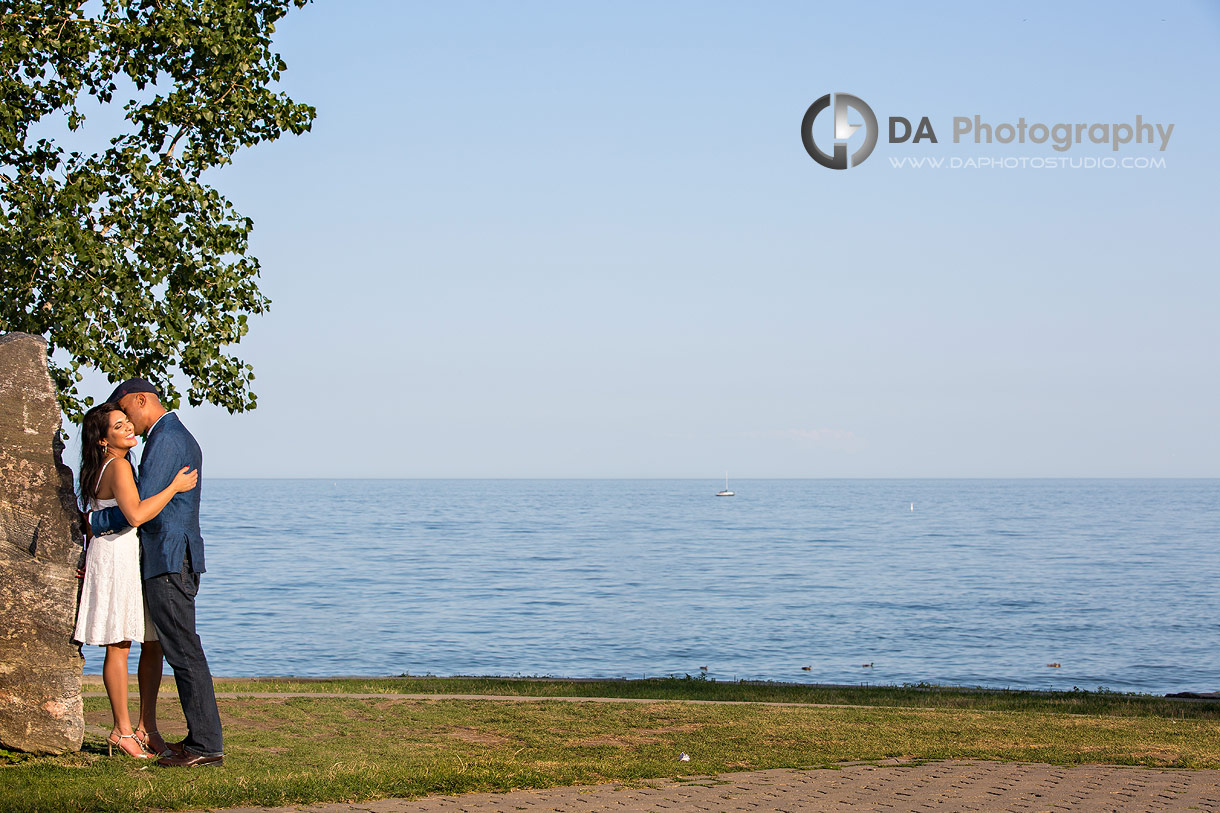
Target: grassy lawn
(287,750)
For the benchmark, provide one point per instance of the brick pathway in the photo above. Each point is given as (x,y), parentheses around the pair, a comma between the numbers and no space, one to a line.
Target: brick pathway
(944,787)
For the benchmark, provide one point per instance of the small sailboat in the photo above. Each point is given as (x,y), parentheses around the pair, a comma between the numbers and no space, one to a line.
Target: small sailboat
(726,492)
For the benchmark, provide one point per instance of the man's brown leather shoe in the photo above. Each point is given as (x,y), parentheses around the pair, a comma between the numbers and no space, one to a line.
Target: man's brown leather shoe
(186,759)
(176,747)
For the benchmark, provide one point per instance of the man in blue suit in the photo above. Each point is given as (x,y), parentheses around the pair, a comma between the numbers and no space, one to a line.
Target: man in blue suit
(172,561)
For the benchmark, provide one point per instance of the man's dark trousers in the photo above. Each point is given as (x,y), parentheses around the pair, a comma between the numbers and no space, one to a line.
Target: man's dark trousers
(171,603)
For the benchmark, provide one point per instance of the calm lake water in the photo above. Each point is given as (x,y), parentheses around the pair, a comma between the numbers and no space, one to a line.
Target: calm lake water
(985,582)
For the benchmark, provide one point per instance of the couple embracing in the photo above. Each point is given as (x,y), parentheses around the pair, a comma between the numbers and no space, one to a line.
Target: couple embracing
(150,598)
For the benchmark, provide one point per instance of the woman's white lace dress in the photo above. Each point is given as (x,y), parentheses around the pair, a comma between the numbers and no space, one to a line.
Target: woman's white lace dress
(112,596)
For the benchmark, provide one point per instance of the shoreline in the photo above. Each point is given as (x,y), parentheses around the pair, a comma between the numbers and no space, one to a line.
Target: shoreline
(220,680)
(662,689)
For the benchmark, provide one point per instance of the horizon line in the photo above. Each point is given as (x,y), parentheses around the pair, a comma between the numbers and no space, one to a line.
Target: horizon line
(700,479)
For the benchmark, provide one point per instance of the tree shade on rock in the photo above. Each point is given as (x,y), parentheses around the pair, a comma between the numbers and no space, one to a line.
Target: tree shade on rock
(40,665)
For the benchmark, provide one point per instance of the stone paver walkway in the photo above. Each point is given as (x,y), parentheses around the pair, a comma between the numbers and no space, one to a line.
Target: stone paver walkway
(944,787)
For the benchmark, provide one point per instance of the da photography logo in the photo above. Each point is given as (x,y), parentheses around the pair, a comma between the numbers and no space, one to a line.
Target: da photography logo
(843,102)
(1046,143)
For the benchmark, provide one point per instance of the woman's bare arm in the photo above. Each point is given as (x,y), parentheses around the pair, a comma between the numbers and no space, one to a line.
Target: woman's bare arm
(123,484)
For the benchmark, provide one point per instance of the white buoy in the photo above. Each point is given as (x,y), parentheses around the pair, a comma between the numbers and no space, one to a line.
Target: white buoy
(912,506)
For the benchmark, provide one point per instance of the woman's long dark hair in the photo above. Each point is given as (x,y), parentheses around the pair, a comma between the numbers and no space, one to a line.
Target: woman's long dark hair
(94,429)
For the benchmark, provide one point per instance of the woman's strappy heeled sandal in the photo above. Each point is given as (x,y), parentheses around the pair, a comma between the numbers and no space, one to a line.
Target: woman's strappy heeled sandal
(111,742)
(145,739)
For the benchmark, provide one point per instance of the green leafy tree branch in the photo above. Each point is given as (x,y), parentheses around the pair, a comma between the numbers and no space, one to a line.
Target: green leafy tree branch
(122,257)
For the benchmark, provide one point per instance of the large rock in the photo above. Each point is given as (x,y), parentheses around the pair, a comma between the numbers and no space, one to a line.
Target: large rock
(40,666)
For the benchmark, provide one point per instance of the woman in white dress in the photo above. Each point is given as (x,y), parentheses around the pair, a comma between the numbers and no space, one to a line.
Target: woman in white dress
(111,612)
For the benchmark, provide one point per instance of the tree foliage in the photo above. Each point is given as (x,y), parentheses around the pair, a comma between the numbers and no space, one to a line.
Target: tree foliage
(121,256)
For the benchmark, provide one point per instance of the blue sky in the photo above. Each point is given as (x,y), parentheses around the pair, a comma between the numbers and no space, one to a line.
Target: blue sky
(576,240)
